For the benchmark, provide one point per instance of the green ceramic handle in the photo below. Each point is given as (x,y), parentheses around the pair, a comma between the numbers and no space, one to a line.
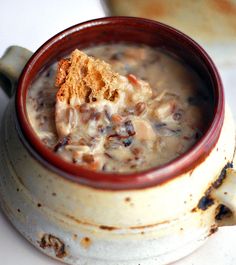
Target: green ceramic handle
(11,66)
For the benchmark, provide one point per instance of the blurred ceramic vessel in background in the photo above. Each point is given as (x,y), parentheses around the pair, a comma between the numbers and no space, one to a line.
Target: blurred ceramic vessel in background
(211,23)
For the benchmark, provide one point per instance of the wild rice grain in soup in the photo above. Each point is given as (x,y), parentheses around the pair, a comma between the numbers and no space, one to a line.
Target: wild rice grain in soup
(148,128)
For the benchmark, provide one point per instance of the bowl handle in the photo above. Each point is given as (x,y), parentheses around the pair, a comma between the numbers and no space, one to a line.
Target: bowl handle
(11,65)
(225,195)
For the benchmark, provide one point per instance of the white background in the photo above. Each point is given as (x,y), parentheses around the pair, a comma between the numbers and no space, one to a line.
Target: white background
(29,23)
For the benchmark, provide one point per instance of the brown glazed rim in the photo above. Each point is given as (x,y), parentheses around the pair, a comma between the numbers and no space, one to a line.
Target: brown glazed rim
(117,181)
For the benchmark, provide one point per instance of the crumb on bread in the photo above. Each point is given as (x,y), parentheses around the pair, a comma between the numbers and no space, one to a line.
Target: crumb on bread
(85,79)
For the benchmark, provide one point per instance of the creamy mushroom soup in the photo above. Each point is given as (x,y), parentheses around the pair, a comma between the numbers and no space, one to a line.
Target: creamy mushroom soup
(151,126)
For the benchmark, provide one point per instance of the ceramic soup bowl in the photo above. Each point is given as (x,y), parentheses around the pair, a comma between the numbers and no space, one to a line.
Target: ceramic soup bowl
(82,217)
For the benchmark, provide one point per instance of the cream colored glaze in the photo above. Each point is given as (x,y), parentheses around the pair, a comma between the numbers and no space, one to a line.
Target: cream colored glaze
(165,120)
(146,232)
(40,202)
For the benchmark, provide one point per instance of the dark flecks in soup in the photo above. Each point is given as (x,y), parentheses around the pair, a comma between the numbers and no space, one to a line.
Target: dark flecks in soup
(146,129)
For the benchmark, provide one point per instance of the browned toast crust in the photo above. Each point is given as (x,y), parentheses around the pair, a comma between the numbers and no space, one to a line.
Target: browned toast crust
(86,79)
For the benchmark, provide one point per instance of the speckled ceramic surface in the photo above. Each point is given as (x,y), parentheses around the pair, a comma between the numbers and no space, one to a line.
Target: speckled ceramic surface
(24,253)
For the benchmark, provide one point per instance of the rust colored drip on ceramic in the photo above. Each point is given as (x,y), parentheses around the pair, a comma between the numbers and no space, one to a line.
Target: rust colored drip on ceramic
(108,228)
(103,227)
(86,242)
(213,230)
(222,175)
(223,212)
(204,203)
(118,29)
(150,226)
(112,228)
(127,199)
(207,201)
(53,242)
(79,221)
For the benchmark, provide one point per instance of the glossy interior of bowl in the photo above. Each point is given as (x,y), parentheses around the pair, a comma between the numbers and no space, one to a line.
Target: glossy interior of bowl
(121,29)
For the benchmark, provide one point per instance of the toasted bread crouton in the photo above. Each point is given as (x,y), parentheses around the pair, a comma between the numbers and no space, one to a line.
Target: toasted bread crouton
(62,71)
(85,79)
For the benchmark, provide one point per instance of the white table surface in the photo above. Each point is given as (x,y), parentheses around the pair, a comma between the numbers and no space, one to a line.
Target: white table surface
(30,23)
